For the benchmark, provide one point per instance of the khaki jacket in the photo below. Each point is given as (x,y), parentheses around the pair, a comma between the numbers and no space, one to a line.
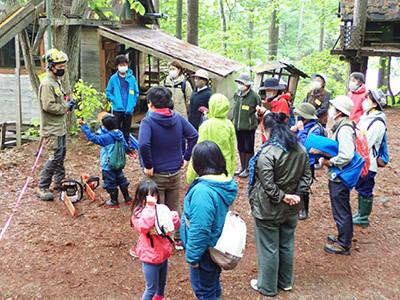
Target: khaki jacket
(52,107)
(278,173)
(181,101)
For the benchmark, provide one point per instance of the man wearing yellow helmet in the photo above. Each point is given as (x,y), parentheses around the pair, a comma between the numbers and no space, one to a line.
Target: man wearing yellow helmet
(52,109)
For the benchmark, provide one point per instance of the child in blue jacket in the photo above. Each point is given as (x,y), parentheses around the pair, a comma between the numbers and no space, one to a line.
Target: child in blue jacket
(112,179)
(123,91)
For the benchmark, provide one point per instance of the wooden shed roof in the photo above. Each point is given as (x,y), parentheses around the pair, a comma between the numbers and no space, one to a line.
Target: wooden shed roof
(378,10)
(275,64)
(163,45)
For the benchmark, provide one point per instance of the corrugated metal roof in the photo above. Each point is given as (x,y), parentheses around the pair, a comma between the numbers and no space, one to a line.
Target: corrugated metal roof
(275,64)
(162,45)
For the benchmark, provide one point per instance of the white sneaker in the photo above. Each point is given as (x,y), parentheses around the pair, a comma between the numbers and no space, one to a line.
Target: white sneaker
(253,284)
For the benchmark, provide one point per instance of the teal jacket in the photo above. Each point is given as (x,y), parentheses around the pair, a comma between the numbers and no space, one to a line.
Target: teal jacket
(244,110)
(113,92)
(205,208)
(218,129)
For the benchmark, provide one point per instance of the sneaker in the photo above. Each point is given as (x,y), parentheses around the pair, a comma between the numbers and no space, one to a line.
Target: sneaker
(178,245)
(333,239)
(44,194)
(244,174)
(337,249)
(253,284)
(287,289)
(133,253)
(112,204)
(130,199)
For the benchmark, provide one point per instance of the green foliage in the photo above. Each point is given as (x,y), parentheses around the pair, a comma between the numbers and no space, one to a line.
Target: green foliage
(33,131)
(97,6)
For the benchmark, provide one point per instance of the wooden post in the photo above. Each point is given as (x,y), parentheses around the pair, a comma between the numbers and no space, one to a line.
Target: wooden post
(18,92)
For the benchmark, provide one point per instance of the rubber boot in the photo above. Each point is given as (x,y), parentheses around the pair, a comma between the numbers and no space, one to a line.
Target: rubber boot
(304,213)
(125,192)
(357,215)
(364,210)
(245,173)
(242,156)
(158,297)
(114,199)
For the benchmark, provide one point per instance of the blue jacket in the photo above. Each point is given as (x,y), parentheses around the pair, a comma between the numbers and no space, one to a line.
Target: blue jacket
(106,141)
(113,92)
(303,134)
(206,205)
(160,141)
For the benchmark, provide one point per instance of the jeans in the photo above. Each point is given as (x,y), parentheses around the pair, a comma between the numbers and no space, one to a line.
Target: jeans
(275,253)
(56,148)
(205,278)
(156,278)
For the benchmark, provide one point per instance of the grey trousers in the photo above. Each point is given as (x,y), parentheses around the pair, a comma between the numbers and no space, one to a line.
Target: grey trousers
(56,147)
(275,250)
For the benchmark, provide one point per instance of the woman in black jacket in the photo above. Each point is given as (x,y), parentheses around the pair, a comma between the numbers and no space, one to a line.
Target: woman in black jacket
(279,176)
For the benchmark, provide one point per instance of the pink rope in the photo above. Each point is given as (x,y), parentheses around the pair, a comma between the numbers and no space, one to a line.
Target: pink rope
(22,192)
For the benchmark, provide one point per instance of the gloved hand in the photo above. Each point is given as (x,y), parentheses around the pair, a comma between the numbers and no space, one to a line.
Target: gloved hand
(72,105)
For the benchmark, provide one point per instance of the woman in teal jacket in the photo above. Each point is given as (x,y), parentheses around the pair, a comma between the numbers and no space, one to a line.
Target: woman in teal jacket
(123,91)
(205,208)
(219,130)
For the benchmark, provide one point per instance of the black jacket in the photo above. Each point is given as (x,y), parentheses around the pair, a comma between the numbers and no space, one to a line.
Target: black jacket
(196,100)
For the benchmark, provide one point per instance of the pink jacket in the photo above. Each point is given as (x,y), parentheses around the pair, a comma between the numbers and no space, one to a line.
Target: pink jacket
(358,98)
(143,222)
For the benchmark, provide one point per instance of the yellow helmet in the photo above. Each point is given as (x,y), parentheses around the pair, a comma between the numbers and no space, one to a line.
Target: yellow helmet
(54,57)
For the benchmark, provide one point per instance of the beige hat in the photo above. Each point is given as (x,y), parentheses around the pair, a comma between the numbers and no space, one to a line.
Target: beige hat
(202,74)
(307,111)
(343,103)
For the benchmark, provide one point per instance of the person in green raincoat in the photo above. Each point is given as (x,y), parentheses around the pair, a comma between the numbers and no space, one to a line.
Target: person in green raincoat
(218,129)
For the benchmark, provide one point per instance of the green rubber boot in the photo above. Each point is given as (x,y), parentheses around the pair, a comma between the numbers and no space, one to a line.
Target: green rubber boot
(364,209)
(357,215)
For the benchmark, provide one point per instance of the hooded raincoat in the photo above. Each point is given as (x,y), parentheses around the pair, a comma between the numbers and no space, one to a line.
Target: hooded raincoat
(220,130)
(205,207)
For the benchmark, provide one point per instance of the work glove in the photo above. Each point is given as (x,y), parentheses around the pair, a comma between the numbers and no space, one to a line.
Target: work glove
(72,105)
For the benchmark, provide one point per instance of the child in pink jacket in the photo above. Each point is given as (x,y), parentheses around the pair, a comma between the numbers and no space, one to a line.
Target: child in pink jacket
(153,250)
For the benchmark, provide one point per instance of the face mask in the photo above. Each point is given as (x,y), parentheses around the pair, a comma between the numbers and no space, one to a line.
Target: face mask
(353,86)
(317,85)
(331,113)
(270,94)
(366,106)
(242,87)
(173,74)
(123,69)
(59,72)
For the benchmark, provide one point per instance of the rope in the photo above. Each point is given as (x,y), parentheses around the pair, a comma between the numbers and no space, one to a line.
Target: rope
(3,231)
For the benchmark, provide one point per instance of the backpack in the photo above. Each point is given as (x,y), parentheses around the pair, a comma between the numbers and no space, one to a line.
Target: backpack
(292,118)
(361,147)
(117,160)
(382,155)
(163,223)
(322,129)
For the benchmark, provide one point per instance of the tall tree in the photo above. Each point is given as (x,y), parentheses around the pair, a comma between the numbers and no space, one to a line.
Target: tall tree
(192,35)
(321,37)
(223,23)
(300,27)
(156,4)
(382,73)
(179,9)
(273,34)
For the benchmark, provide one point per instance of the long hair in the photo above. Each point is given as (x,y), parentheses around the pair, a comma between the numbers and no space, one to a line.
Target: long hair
(144,188)
(275,124)
(177,65)
(208,159)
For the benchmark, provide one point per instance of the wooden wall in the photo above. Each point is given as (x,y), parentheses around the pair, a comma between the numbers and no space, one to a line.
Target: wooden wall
(7,99)
(90,57)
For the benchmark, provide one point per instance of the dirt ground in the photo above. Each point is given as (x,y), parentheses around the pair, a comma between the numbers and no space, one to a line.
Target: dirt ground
(47,254)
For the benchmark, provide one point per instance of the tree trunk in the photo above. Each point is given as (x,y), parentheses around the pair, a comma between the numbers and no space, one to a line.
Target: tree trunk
(223,24)
(360,16)
(388,81)
(382,76)
(178,28)
(29,62)
(273,36)
(192,22)
(156,4)
(250,35)
(321,37)
(300,28)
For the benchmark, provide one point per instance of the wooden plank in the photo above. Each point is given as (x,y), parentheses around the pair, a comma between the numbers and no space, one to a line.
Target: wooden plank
(3,135)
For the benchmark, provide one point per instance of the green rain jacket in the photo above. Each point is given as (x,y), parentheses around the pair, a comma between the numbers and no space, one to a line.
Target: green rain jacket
(218,129)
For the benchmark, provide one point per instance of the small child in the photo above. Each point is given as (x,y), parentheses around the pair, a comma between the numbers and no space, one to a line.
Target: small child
(112,179)
(153,250)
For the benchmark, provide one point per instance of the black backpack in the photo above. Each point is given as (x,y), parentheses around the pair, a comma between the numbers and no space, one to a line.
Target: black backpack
(322,129)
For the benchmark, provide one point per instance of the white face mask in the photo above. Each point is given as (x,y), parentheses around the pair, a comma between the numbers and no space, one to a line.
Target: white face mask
(242,87)
(173,73)
(270,94)
(317,85)
(353,86)
(198,83)
(331,113)
(366,106)
(123,69)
